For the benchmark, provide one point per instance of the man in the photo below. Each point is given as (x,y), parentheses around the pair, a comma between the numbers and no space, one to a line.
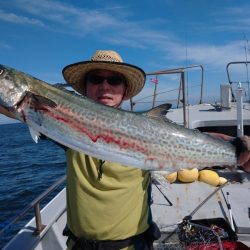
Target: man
(108,205)
(106,201)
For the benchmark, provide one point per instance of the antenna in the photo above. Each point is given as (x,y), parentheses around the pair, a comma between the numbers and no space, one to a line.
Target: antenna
(188,101)
(247,49)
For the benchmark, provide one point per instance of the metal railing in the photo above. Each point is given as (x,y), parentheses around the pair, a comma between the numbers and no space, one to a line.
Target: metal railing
(182,87)
(35,204)
(231,81)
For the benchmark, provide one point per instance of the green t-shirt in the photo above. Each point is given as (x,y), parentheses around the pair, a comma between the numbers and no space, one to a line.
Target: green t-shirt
(111,208)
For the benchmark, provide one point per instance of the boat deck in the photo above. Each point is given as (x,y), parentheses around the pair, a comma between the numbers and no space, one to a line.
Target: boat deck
(171,203)
(207,115)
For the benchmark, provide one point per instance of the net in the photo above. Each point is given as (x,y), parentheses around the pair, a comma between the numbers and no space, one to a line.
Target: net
(207,234)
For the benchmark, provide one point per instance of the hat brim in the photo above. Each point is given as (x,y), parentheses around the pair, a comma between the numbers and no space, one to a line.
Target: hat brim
(75,74)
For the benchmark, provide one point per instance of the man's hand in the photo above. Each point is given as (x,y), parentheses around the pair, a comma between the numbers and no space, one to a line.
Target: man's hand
(244,157)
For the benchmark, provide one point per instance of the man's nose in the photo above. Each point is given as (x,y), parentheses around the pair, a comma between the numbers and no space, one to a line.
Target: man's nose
(105,84)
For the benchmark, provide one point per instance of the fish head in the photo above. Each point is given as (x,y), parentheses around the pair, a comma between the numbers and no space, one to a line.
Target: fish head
(12,88)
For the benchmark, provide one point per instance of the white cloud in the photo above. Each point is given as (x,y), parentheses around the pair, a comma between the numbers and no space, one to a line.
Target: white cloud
(112,27)
(13,18)
(207,53)
(70,16)
(232,19)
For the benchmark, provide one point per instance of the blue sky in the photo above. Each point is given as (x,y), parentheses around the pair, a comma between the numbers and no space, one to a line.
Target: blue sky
(41,37)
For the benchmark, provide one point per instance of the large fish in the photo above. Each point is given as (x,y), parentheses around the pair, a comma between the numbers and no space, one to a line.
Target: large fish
(147,141)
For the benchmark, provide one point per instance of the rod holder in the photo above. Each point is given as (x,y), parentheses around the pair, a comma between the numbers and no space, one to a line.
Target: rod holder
(39,225)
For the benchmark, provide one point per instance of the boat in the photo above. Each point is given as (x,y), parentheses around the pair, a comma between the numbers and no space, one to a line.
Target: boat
(192,215)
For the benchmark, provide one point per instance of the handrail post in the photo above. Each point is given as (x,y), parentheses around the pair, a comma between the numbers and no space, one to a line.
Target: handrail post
(202,80)
(131,104)
(239,99)
(184,98)
(39,225)
(36,205)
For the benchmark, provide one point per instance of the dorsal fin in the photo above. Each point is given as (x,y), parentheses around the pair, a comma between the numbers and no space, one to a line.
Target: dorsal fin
(158,111)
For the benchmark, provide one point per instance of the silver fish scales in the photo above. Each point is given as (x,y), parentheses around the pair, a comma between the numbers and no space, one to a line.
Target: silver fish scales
(139,140)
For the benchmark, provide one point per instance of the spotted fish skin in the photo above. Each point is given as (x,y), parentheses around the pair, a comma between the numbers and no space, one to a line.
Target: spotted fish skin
(132,139)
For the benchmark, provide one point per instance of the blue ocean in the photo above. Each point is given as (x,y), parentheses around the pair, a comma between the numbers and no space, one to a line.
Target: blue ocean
(26,170)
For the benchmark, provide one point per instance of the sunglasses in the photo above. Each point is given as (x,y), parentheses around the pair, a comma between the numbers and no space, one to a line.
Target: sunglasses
(112,80)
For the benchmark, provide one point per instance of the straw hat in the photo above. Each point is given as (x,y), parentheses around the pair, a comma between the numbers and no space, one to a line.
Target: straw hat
(75,73)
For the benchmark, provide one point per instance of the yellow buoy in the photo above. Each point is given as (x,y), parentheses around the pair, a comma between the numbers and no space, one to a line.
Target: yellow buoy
(209,177)
(222,180)
(171,177)
(188,175)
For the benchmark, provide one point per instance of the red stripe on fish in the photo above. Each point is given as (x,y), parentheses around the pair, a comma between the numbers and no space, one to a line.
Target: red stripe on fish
(108,138)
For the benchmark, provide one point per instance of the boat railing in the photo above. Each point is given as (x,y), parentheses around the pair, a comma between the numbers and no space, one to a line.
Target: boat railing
(182,94)
(231,82)
(35,204)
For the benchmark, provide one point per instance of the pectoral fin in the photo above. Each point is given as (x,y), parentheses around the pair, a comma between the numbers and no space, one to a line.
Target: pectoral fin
(34,134)
(36,102)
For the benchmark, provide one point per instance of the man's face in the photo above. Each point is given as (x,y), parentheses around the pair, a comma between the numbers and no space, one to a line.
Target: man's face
(106,87)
